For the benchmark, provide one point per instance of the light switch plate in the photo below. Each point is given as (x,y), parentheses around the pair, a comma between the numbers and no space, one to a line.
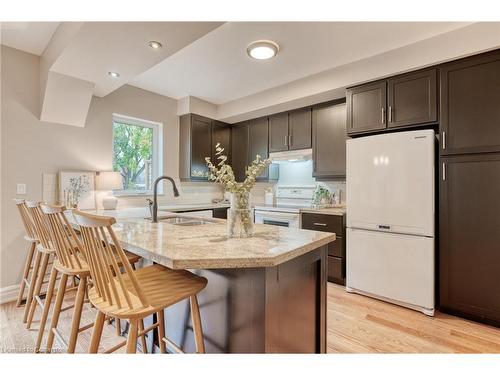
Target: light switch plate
(21,189)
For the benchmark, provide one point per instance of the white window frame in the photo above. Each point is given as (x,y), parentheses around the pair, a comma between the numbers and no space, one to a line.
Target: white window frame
(157,160)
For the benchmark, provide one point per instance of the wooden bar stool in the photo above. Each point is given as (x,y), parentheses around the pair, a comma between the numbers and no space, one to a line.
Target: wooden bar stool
(133,294)
(44,254)
(70,262)
(30,237)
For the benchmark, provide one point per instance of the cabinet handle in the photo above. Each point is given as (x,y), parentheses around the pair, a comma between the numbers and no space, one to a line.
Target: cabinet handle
(383,115)
(390,114)
(286,140)
(290,140)
(444,140)
(444,171)
(320,224)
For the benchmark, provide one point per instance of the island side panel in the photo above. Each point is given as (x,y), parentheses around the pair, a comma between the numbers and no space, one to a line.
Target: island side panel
(296,305)
(279,309)
(232,309)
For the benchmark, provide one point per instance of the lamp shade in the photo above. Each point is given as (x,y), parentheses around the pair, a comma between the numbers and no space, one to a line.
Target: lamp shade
(109,181)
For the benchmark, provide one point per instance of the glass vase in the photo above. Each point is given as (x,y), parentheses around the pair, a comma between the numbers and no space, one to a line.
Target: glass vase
(239,216)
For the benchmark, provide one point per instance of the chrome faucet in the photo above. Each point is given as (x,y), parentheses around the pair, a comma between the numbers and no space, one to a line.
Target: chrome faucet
(154,211)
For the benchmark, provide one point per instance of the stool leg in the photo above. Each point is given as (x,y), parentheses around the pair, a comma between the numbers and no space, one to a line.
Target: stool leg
(118,327)
(31,288)
(132,336)
(97,332)
(57,310)
(160,317)
(38,288)
(27,265)
(144,343)
(77,314)
(196,320)
(46,308)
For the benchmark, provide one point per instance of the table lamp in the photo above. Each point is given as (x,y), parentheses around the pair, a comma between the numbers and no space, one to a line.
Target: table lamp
(108,181)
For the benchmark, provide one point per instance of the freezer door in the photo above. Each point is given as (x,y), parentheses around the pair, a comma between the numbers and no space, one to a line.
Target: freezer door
(393,266)
(390,182)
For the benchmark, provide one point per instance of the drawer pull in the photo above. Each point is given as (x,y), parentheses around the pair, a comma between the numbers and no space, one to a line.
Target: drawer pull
(320,224)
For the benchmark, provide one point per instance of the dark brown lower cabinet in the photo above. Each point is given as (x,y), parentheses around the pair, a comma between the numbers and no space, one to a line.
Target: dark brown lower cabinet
(336,250)
(469,261)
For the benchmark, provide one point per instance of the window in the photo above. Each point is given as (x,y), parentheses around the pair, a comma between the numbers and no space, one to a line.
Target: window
(137,153)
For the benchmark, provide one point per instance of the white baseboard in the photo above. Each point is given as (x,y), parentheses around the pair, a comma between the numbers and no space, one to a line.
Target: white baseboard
(9,293)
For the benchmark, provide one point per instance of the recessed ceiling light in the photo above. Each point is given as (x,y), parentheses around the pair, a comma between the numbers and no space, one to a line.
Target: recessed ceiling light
(154,44)
(114,74)
(262,49)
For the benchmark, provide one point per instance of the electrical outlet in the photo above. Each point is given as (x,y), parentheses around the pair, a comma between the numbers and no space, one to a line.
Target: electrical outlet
(21,189)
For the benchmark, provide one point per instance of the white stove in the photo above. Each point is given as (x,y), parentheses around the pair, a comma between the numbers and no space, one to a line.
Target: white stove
(286,211)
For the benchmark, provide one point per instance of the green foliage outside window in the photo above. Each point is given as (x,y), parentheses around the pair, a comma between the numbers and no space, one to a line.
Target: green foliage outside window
(133,153)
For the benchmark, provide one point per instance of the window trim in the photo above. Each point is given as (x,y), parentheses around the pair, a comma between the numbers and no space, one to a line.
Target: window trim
(157,160)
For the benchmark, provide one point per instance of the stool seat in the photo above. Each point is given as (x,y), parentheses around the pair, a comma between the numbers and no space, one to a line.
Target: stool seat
(162,286)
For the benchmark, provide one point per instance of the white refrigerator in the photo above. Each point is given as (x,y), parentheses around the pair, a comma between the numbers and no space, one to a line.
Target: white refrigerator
(390,218)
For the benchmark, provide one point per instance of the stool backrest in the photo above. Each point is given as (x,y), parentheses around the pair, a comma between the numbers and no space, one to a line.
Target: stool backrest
(63,237)
(101,248)
(40,224)
(29,226)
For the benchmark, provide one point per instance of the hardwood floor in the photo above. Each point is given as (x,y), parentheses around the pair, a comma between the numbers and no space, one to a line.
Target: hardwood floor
(356,324)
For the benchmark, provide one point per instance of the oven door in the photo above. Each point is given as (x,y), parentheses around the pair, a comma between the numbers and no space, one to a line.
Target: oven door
(283,219)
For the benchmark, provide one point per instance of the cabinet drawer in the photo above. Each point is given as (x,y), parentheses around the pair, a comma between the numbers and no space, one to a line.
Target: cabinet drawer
(336,270)
(335,248)
(323,223)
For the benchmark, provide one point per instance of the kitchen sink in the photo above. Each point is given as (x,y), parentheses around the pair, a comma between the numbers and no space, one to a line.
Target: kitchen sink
(185,221)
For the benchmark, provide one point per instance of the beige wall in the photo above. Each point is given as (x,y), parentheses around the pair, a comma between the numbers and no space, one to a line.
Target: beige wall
(30,147)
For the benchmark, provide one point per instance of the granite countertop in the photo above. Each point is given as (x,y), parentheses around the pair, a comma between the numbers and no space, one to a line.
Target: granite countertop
(207,246)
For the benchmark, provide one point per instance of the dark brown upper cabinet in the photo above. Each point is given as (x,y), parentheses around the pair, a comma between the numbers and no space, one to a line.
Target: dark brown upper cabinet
(198,136)
(278,132)
(195,145)
(221,133)
(290,130)
(329,141)
(239,146)
(299,129)
(258,143)
(470,105)
(469,236)
(366,107)
(412,99)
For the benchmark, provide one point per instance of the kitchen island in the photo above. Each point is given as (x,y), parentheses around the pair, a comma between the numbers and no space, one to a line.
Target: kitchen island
(265,294)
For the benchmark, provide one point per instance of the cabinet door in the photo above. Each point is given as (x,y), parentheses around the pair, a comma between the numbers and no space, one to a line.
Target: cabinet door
(258,145)
(278,132)
(299,124)
(470,110)
(366,108)
(470,236)
(201,146)
(329,141)
(412,99)
(221,133)
(239,146)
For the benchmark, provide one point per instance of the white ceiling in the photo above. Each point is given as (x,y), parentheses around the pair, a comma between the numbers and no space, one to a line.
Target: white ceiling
(30,37)
(216,67)
(100,47)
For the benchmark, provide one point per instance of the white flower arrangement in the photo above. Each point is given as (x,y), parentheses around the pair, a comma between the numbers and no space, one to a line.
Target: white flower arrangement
(223,173)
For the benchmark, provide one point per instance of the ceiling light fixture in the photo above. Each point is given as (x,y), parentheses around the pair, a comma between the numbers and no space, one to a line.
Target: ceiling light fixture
(262,49)
(114,74)
(154,44)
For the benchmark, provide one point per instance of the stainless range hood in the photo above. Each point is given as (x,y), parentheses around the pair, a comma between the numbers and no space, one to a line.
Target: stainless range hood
(293,155)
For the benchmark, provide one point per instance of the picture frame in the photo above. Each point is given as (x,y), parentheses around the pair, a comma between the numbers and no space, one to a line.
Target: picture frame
(77,189)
